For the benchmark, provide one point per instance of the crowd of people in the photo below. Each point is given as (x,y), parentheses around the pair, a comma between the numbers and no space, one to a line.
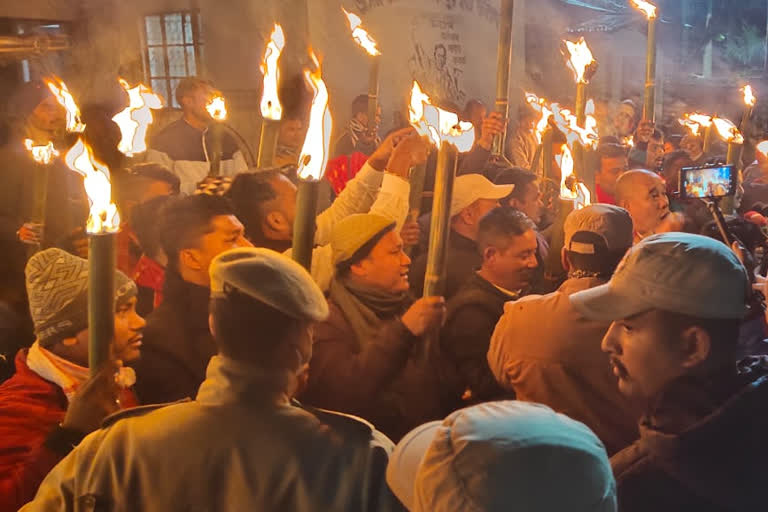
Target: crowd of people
(607,358)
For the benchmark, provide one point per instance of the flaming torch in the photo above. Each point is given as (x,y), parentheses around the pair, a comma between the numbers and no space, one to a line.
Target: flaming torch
(451,136)
(544,135)
(312,162)
(134,120)
(62,94)
(749,103)
(217,109)
(503,65)
(649,101)
(367,43)
(102,227)
(271,110)
(695,122)
(584,66)
(43,157)
(730,134)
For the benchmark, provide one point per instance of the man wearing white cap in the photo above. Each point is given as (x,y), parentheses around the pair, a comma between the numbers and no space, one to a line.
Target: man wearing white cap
(243,443)
(546,352)
(676,302)
(473,196)
(499,457)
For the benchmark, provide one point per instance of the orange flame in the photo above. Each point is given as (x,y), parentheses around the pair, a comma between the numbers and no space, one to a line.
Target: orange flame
(570,188)
(694,122)
(41,154)
(360,35)
(60,91)
(628,141)
(580,59)
(217,108)
(438,124)
(566,121)
(749,96)
(540,106)
(728,131)
(270,102)
(648,8)
(136,118)
(314,152)
(103,217)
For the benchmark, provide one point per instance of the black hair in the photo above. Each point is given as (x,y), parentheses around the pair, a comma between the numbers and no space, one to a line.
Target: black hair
(517,176)
(610,150)
(188,86)
(246,328)
(250,194)
(342,267)
(603,262)
(144,223)
(152,171)
(186,219)
(360,105)
(499,225)
(723,333)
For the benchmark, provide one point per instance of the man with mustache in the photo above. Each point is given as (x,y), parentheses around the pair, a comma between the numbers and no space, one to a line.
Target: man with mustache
(676,302)
(507,242)
(644,195)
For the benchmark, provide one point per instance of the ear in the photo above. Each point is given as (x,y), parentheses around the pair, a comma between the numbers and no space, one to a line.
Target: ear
(696,346)
(358,268)
(490,253)
(564,259)
(276,222)
(190,258)
(467,216)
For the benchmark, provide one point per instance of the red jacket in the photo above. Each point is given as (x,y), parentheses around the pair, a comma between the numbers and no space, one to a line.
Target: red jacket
(30,408)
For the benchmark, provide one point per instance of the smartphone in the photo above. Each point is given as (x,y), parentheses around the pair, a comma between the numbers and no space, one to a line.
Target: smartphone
(709,181)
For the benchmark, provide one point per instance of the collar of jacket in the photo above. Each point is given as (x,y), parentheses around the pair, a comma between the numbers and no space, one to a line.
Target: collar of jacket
(190,298)
(459,241)
(229,381)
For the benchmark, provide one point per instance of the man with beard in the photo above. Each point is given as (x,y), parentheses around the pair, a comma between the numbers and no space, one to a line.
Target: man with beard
(506,240)
(644,195)
(676,303)
(365,357)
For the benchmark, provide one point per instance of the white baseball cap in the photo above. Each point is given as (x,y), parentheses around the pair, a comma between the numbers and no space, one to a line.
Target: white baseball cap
(468,188)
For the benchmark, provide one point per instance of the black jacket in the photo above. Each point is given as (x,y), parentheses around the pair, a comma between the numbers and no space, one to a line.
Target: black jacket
(464,340)
(701,448)
(182,141)
(462,259)
(177,344)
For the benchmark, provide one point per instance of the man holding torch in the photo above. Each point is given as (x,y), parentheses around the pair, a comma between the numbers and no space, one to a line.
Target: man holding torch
(186,146)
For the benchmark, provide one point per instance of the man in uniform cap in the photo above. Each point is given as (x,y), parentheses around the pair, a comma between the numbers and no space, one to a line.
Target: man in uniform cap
(243,443)
(474,195)
(502,456)
(51,402)
(365,354)
(676,302)
(545,351)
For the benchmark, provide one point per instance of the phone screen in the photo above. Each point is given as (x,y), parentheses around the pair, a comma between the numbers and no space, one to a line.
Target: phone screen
(711,181)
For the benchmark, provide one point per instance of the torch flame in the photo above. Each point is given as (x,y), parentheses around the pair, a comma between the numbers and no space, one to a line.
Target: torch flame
(136,118)
(570,188)
(270,102)
(628,141)
(540,106)
(438,124)
(579,59)
(648,8)
(360,35)
(749,97)
(60,91)
(565,121)
(728,131)
(103,217)
(41,154)
(314,152)
(695,122)
(217,108)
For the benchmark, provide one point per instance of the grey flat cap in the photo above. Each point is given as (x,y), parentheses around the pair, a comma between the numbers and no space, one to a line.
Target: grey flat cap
(271,278)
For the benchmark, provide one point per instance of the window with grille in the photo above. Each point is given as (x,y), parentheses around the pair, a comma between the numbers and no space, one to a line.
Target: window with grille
(174,50)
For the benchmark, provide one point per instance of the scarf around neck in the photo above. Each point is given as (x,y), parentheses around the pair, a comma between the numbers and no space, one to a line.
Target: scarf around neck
(357,129)
(66,374)
(366,309)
